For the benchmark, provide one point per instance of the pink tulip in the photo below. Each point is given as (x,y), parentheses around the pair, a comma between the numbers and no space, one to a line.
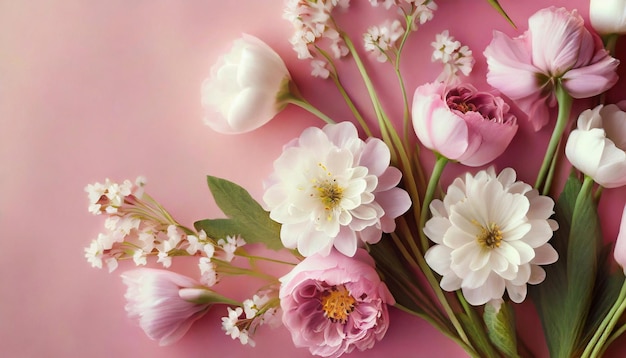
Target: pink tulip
(556,48)
(620,244)
(166,303)
(462,124)
(334,304)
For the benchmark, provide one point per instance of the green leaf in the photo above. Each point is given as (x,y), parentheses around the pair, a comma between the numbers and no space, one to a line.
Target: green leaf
(582,259)
(564,299)
(607,289)
(246,217)
(478,337)
(501,328)
(496,5)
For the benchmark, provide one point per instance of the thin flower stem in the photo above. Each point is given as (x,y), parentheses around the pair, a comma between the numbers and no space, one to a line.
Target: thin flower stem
(304,104)
(610,41)
(418,262)
(261,258)
(618,332)
(390,136)
(342,90)
(440,164)
(477,322)
(599,339)
(447,333)
(565,107)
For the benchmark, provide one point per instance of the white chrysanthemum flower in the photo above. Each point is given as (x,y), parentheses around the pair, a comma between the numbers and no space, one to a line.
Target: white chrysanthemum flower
(491,234)
(330,188)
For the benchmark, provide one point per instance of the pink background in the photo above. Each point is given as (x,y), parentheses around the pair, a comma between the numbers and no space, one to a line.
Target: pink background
(90,90)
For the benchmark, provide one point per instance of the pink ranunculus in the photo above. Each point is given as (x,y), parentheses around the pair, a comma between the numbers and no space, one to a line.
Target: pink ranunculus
(461,123)
(620,243)
(165,303)
(334,304)
(556,48)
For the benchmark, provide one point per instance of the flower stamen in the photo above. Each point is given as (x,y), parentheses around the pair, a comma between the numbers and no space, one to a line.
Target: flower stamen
(490,237)
(337,304)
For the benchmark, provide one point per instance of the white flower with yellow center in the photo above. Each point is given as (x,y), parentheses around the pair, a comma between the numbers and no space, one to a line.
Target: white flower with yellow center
(330,188)
(491,234)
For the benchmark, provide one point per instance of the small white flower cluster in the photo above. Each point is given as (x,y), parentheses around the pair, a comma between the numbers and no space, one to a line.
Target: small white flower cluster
(380,39)
(313,24)
(454,56)
(419,11)
(136,226)
(260,310)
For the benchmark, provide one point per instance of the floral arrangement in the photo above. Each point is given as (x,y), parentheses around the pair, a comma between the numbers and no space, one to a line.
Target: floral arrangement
(361,223)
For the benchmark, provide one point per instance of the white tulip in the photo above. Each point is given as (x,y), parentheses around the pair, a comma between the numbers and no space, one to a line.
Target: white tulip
(608,16)
(245,86)
(598,146)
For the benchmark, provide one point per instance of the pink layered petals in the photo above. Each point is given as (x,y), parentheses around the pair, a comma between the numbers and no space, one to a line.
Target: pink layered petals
(620,244)
(332,189)
(349,280)
(162,301)
(555,48)
(461,123)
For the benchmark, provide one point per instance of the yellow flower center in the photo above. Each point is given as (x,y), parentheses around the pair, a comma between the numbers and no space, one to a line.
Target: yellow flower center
(337,304)
(328,191)
(490,236)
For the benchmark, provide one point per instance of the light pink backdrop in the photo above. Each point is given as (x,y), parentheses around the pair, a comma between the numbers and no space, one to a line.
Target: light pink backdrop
(97,89)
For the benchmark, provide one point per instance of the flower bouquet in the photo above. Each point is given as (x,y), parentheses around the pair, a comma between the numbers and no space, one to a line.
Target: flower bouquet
(356,214)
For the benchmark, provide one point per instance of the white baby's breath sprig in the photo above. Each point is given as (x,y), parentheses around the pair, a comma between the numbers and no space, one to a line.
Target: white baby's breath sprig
(454,56)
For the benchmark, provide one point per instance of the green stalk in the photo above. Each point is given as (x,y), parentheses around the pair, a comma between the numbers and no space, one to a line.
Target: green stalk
(599,339)
(565,107)
(304,104)
(342,90)
(440,164)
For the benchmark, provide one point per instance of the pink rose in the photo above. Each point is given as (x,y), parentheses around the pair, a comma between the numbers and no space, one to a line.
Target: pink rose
(335,304)
(461,123)
(557,48)
(620,244)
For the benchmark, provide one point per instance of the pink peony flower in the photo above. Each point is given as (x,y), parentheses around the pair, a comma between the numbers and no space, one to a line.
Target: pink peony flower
(335,304)
(330,188)
(556,48)
(462,124)
(620,244)
(166,303)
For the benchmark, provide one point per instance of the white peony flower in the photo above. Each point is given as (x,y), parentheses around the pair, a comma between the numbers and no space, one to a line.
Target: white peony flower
(491,234)
(608,16)
(330,188)
(244,88)
(598,146)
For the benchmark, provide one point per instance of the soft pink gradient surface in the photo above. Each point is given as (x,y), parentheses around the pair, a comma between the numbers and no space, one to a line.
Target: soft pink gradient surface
(98,89)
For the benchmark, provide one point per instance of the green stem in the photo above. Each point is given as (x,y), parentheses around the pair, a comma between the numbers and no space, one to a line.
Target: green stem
(610,41)
(440,164)
(267,259)
(342,90)
(304,104)
(599,339)
(565,107)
